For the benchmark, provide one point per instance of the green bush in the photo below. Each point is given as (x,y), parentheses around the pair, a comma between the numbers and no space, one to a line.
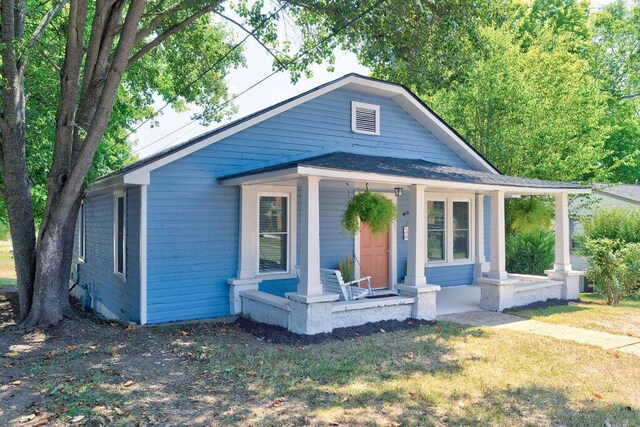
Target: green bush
(530,252)
(614,269)
(611,245)
(617,224)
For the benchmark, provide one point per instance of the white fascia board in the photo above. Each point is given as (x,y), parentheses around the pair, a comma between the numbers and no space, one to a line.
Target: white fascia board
(106,183)
(262,178)
(397,93)
(392,179)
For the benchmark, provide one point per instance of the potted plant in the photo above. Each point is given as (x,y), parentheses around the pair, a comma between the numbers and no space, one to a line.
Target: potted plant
(369,208)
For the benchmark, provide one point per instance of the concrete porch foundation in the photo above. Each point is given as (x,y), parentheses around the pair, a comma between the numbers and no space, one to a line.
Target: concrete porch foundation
(325,313)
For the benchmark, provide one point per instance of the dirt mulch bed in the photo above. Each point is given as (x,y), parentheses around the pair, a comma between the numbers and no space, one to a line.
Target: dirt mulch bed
(544,304)
(280,335)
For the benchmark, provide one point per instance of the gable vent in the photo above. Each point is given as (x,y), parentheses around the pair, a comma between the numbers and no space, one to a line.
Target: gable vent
(365,118)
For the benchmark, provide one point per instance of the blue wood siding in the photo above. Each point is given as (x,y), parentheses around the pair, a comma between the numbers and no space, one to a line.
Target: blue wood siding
(110,294)
(193,222)
(450,275)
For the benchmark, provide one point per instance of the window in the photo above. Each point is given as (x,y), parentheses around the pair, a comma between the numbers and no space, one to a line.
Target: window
(119,231)
(449,232)
(436,230)
(273,234)
(460,230)
(83,231)
(365,118)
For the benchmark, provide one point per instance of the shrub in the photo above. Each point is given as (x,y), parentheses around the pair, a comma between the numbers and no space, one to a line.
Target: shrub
(530,252)
(373,209)
(614,268)
(617,224)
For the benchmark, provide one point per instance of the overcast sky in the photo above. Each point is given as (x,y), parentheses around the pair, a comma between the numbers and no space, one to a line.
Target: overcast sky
(273,90)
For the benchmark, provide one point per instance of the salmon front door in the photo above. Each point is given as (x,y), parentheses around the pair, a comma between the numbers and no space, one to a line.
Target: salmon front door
(374,257)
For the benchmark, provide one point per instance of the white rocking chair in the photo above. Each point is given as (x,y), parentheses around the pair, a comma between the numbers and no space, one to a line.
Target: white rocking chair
(332,282)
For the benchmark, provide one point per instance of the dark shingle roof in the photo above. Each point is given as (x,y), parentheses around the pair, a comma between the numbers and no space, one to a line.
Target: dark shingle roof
(624,191)
(412,168)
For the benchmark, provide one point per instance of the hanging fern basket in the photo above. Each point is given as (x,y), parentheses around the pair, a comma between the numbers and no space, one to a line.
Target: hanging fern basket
(372,209)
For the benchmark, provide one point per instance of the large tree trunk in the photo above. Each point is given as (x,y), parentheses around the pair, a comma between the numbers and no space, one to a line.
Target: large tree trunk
(53,263)
(17,189)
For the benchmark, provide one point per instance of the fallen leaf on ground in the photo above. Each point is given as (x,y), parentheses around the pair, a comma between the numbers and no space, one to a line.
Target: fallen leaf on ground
(251,372)
(128,383)
(409,355)
(597,396)
(42,422)
(130,328)
(184,333)
(16,382)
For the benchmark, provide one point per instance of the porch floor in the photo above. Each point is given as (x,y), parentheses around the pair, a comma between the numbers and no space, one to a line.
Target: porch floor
(458,299)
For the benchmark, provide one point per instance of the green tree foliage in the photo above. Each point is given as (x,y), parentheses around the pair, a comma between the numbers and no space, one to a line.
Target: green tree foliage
(535,112)
(528,214)
(174,71)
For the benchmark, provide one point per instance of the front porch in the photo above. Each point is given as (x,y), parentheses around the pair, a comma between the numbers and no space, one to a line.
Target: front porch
(425,254)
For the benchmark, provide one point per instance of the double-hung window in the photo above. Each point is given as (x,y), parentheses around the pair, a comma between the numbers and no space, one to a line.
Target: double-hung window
(448,229)
(119,233)
(83,231)
(273,233)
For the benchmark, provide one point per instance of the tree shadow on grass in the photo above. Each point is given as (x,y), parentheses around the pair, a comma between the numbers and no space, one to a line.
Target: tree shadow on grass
(538,405)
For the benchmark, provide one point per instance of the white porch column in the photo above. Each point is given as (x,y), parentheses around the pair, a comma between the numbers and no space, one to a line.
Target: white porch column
(310,284)
(479,236)
(497,269)
(245,279)
(415,282)
(563,256)
(417,237)
(562,266)
(248,235)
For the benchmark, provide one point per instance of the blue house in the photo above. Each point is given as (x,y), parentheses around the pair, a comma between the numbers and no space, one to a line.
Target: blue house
(246,219)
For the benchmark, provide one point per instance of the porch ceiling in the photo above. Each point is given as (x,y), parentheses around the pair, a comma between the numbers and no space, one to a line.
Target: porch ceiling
(398,171)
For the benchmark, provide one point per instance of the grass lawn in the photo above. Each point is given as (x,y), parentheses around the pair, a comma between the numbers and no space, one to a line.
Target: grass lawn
(215,374)
(7,270)
(592,313)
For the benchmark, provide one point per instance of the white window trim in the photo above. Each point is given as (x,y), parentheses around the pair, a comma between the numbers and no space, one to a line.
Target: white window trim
(449,199)
(117,194)
(288,197)
(82,239)
(249,257)
(376,108)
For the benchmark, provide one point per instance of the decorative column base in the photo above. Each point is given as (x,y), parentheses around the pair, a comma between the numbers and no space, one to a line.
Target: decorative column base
(425,305)
(495,294)
(235,287)
(311,314)
(570,280)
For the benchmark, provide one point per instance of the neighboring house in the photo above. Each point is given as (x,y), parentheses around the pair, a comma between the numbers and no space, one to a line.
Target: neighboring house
(604,196)
(216,226)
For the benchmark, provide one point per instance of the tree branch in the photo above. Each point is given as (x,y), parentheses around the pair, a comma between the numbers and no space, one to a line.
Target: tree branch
(255,37)
(168,33)
(45,21)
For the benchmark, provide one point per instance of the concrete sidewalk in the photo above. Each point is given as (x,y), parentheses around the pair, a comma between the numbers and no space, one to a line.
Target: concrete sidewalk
(603,340)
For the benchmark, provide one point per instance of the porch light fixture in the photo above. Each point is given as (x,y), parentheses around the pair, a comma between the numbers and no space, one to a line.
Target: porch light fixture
(398,191)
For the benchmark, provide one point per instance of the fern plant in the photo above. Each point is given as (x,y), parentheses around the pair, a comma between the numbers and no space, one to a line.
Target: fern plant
(370,208)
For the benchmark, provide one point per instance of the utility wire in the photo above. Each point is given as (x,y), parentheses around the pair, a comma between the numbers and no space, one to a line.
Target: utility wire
(277,70)
(210,68)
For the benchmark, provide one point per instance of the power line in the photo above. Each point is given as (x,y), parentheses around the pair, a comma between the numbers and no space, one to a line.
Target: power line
(209,69)
(276,71)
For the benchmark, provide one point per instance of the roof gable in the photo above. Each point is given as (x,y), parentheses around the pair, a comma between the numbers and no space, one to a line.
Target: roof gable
(139,172)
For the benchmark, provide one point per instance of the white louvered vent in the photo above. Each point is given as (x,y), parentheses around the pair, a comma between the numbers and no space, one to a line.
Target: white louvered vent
(365,118)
